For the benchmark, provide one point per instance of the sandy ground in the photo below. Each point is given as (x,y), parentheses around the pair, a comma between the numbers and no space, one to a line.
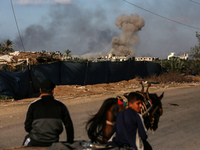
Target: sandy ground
(179,127)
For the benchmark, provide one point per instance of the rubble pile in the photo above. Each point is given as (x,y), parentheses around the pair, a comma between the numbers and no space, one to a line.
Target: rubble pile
(17,58)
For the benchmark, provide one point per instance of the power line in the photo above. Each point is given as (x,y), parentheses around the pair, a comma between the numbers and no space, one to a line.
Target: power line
(161,16)
(194,2)
(17,25)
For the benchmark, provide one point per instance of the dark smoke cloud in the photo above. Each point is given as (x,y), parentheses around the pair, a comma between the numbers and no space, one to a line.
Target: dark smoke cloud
(69,27)
(129,25)
(81,28)
(35,37)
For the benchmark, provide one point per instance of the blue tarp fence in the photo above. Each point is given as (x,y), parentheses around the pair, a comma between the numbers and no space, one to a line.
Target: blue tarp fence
(25,84)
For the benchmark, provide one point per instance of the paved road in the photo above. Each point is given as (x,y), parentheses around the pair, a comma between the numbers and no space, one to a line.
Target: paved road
(179,127)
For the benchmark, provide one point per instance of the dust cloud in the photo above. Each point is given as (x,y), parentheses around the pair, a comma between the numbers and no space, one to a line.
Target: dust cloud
(129,25)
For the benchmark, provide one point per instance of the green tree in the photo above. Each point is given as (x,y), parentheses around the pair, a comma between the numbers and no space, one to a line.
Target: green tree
(52,53)
(195,51)
(6,47)
(67,52)
(174,65)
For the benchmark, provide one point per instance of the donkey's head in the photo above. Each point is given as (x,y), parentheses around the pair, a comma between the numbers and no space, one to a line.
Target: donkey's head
(152,108)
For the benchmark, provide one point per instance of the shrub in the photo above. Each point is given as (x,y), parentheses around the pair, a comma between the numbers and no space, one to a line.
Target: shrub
(2,97)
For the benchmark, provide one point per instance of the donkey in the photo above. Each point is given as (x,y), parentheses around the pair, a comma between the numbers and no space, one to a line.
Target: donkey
(99,126)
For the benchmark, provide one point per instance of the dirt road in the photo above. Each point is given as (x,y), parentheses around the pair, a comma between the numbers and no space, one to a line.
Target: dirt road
(179,127)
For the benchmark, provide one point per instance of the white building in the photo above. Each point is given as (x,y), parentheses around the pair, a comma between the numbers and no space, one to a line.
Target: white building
(183,57)
(112,57)
(145,58)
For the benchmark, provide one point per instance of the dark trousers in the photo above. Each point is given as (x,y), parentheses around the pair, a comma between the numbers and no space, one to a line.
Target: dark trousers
(28,141)
(147,146)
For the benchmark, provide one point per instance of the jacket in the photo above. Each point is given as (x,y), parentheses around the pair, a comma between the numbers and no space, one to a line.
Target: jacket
(45,118)
(129,129)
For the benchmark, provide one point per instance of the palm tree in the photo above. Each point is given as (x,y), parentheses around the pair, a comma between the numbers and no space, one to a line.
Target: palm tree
(6,47)
(67,52)
(1,48)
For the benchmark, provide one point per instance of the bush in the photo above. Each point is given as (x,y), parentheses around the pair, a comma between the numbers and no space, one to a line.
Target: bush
(2,97)
(181,66)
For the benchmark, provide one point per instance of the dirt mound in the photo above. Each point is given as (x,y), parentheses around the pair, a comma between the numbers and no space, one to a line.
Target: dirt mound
(72,91)
(104,88)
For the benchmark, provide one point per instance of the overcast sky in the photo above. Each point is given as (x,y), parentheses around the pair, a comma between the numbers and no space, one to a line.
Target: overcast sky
(88,26)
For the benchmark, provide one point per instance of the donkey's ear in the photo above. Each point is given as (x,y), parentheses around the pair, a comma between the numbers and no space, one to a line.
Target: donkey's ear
(161,96)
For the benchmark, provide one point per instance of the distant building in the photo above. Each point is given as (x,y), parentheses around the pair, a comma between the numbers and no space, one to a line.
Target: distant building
(145,58)
(183,57)
(113,58)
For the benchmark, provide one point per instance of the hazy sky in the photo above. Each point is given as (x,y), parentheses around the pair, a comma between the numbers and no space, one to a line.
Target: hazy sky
(88,26)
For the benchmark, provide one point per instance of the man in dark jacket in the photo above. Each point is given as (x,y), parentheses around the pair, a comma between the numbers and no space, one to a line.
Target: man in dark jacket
(45,118)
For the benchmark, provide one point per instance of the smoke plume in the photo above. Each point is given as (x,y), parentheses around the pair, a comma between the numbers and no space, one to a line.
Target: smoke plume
(69,27)
(129,25)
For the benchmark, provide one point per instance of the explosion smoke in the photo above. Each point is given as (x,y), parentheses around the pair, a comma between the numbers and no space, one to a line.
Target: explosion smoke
(69,27)
(129,25)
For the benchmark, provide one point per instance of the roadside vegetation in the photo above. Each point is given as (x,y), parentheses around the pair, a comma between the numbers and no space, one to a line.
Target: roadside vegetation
(180,71)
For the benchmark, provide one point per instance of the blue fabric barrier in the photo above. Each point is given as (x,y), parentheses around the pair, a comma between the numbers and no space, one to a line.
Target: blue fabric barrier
(26,83)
